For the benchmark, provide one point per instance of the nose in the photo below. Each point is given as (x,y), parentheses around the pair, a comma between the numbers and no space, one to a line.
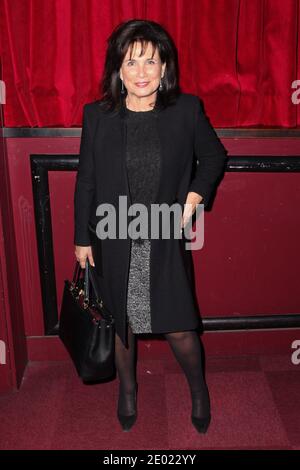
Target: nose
(141,72)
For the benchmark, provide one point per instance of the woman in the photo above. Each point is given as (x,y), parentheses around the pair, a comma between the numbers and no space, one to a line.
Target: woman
(139,142)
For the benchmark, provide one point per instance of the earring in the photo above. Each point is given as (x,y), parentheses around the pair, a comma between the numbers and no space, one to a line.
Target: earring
(122,89)
(160,85)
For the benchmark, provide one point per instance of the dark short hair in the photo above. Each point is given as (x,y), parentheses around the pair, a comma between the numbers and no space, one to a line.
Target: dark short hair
(123,37)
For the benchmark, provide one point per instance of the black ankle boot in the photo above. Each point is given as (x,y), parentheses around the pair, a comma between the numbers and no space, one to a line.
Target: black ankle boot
(127,421)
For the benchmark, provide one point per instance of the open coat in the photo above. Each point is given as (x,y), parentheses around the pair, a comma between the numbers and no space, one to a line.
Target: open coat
(192,159)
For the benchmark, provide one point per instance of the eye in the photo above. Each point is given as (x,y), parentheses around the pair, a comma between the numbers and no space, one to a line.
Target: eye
(131,62)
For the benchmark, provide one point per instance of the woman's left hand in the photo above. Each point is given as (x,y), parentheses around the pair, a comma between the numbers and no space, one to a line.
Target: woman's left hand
(190,206)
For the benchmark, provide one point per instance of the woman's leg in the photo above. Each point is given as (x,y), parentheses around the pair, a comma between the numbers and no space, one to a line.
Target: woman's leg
(186,346)
(125,360)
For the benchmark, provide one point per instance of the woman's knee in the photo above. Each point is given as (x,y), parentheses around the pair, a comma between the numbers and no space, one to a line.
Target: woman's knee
(179,335)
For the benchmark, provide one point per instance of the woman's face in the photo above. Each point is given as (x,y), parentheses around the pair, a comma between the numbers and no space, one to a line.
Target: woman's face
(141,69)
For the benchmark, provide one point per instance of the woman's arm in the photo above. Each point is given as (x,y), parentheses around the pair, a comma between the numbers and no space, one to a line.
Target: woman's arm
(85,184)
(211,156)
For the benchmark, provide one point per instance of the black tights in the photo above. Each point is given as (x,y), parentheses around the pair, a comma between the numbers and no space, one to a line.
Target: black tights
(125,360)
(186,346)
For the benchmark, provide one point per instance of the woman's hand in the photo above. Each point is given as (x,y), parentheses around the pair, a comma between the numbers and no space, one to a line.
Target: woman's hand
(83,252)
(193,199)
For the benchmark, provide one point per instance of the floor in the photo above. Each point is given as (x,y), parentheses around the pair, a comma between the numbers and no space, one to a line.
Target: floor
(255,405)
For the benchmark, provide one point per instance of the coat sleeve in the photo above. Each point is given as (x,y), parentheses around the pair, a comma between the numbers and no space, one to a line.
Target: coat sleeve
(210,154)
(85,184)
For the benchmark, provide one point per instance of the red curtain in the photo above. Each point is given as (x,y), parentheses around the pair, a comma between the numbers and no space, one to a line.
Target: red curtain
(239,56)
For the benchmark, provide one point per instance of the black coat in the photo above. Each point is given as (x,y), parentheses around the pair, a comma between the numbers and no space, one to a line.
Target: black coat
(186,138)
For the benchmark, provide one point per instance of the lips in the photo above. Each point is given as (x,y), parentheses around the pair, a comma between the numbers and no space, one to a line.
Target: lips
(142,84)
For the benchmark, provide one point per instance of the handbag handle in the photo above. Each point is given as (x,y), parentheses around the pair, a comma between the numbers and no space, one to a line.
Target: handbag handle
(89,277)
(76,273)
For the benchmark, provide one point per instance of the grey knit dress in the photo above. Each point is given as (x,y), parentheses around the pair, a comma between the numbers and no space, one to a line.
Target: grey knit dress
(143,169)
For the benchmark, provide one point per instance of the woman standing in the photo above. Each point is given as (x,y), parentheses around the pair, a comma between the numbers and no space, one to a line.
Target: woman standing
(140,141)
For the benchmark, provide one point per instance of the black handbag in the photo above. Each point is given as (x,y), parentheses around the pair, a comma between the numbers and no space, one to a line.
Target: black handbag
(86,327)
